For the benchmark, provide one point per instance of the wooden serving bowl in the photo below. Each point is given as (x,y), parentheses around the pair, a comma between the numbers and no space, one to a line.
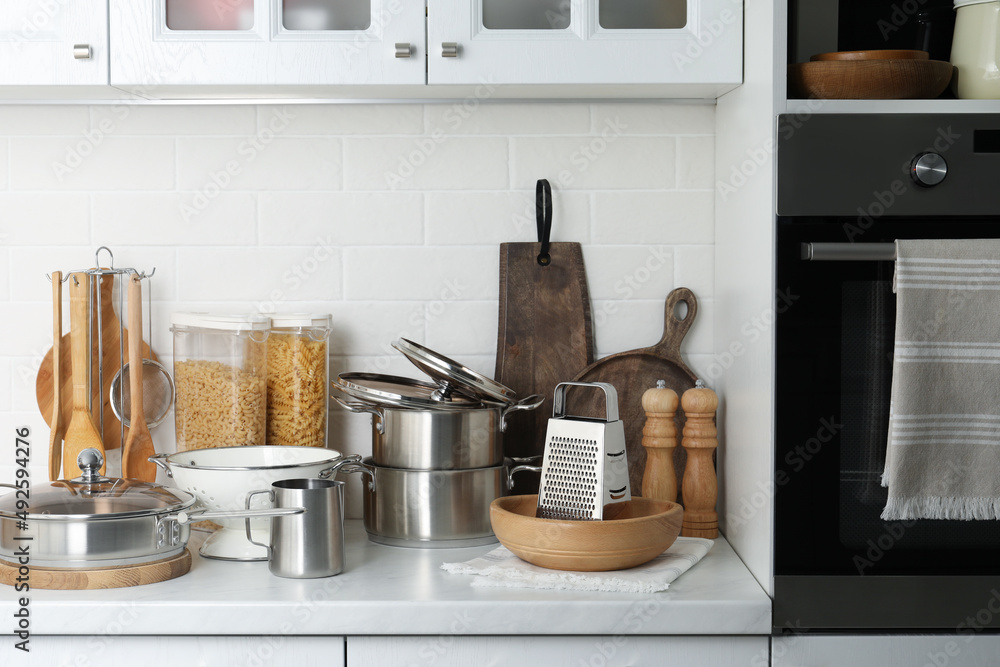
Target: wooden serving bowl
(875,54)
(638,531)
(869,79)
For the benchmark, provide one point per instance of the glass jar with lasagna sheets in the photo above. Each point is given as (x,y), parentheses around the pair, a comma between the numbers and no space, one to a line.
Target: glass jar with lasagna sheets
(220,371)
(298,369)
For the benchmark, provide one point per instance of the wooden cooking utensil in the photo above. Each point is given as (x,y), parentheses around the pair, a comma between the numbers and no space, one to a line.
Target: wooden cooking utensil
(81,432)
(701,488)
(139,443)
(109,343)
(659,439)
(545,331)
(57,425)
(632,372)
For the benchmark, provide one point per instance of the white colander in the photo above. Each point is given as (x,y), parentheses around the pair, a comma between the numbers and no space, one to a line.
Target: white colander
(221,479)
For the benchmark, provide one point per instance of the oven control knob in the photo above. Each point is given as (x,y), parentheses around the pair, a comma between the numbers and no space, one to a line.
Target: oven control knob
(928,169)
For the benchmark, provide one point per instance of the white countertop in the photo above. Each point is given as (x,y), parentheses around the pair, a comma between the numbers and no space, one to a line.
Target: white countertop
(396,591)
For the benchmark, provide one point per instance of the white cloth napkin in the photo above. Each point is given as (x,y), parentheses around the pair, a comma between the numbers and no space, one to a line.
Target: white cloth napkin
(501,568)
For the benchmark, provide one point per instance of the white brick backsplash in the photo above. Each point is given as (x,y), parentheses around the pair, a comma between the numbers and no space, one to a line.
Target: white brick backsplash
(174,120)
(208,165)
(99,162)
(694,268)
(266,276)
(368,328)
(175,218)
(29,219)
(499,217)
(462,328)
(43,120)
(629,272)
(696,163)
(297,218)
(630,325)
(428,274)
(652,217)
(653,118)
(430,162)
(348,119)
(597,162)
(311,224)
(470,116)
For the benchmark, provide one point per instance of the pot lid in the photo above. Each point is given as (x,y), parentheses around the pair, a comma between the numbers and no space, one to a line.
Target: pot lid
(92,496)
(401,392)
(453,377)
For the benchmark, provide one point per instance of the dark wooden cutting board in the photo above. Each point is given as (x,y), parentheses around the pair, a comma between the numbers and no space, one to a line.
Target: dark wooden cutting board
(631,374)
(545,337)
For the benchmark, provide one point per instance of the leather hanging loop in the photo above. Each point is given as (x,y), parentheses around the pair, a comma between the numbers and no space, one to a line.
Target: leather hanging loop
(543,219)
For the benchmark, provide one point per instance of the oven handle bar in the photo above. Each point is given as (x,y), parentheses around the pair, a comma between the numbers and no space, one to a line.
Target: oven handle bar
(849,252)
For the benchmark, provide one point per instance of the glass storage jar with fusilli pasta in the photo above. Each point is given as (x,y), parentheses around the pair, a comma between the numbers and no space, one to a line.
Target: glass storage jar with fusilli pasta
(220,373)
(298,369)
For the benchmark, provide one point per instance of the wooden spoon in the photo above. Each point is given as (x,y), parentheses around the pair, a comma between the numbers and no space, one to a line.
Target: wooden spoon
(57,425)
(82,432)
(139,443)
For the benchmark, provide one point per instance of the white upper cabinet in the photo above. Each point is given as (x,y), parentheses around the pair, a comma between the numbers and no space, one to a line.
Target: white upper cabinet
(53,42)
(585,41)
(266,42)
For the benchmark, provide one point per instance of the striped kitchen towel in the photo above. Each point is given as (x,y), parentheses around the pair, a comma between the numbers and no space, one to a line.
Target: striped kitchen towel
(943,454)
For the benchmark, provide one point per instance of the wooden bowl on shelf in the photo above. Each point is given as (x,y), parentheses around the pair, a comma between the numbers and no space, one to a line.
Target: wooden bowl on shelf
(874,54)
(637,531)
(871,79)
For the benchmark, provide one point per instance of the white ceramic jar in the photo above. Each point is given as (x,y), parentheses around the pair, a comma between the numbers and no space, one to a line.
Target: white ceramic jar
(974,49)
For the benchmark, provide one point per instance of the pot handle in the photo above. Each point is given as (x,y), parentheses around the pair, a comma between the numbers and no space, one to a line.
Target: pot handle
(527,403)
(338,464)
(270,495)
(519,468)
(357,466)
(198,515)
(161,461)
(378,419)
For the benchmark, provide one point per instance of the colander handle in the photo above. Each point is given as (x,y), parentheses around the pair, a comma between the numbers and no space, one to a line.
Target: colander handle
(161,461)
(610,398)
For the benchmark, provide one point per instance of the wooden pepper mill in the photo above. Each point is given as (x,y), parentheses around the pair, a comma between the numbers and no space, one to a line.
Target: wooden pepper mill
(659,438)
(700,486)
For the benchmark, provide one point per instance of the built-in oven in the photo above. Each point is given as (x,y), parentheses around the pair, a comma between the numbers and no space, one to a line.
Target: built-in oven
(848,187)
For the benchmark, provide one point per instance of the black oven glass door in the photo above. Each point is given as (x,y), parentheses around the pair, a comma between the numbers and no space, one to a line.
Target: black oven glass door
(834,338)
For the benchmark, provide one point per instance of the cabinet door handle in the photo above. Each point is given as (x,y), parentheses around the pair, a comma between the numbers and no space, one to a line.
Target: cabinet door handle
(82,51)
(449,49)
(404,50)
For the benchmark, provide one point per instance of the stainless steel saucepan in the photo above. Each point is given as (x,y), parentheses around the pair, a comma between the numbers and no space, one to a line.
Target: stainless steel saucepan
(95,521)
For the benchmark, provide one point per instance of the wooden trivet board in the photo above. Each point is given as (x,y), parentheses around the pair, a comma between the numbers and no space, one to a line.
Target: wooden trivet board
(71,579)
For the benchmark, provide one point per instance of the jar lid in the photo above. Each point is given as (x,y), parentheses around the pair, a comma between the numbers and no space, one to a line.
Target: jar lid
(221,322)
(453,377)
(93,496)
(963,3)
(401,392)
(298,320)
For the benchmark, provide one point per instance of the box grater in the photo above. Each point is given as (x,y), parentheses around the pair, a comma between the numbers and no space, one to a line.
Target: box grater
(584,466)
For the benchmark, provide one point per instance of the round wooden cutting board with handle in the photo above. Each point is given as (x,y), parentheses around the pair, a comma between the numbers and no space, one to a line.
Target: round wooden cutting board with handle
(632,373)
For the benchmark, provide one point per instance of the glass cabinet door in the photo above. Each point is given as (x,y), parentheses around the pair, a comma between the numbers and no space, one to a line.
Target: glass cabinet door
(268,42)
(613,42)
(44,42)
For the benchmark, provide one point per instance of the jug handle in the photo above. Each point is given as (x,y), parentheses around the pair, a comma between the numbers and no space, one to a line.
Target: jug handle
(270,495)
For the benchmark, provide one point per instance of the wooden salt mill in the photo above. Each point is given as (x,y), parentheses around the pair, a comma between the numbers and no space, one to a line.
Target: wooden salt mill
(700,486)
(659,438)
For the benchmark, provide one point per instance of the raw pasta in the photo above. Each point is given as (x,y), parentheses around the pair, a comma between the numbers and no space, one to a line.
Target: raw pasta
(296,390)
(218,405)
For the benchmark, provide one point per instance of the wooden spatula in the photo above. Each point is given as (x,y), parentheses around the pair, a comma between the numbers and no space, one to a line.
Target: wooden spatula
(57,426)
(81,432)
(139,444)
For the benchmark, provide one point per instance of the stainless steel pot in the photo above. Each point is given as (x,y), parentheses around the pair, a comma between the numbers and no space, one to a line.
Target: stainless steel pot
(429,439)
(96,521)
(432,508)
